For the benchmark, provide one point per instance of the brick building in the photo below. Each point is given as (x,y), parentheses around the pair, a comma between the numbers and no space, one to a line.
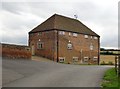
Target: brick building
(64,39)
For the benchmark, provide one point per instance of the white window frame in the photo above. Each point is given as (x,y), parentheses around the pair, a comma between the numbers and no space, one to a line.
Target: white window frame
(91,46)
(75,59)
(75,34)
(95,37)
(61,59)
(86,59)
(86,36)
(95,58)
(40,45)
(69,46)
(91,37)
(69,33)
(61,33)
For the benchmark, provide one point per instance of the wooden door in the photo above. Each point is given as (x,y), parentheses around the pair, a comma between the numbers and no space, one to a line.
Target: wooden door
(33,50)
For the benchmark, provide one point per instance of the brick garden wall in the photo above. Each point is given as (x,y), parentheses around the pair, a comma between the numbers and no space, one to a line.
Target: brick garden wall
(15,51)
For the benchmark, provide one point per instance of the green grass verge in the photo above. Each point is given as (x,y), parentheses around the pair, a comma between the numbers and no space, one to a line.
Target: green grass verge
(110,80)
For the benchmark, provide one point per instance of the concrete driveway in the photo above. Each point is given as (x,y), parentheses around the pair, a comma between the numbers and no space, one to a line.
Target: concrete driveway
(30,73)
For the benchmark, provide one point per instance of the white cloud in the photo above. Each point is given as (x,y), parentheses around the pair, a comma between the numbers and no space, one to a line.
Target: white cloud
(15,27)
(21,17)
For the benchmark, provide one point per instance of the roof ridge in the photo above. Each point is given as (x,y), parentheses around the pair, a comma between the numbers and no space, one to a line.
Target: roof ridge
(57,21)
(66,17)
(76,20)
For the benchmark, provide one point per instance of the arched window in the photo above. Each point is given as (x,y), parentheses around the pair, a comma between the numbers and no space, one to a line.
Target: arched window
(69,45)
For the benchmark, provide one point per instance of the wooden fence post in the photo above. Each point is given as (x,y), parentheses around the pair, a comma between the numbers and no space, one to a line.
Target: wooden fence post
(116,64)
(119,66)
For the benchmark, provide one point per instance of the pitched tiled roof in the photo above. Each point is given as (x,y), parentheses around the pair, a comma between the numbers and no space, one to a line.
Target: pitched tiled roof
(59,22)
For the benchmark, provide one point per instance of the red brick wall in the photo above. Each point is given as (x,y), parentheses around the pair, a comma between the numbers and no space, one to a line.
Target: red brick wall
(48,38)
(16,51)
(50,46)
(0,49)
(79,43)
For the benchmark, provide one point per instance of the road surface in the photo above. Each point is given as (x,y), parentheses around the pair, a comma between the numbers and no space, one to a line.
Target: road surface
(29,73)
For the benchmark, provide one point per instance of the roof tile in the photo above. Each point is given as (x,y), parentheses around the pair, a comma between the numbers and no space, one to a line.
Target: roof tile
(60,22)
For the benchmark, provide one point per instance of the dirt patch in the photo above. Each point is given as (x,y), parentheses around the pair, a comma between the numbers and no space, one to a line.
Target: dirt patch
(37,58)
(107,58)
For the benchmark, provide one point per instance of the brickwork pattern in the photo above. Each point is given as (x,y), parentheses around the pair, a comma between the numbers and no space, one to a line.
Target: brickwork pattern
(15,51)
(81,46)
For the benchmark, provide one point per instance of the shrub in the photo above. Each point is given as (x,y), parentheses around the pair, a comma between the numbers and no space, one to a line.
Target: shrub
(102,63)
(110,63)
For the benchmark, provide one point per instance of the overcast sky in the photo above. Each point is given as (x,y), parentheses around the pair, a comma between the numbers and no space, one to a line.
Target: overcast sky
(18,18)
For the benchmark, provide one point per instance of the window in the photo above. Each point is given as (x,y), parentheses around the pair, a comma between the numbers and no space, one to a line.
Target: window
(69,46)
(39,33)
(95,59)
(91,46)
(91,37)
(40,45)
(75,34)
(86,36)
(61,32)
(95,38)
(75,59)
(69,33)
(85,59)
(61,59)
(39,40)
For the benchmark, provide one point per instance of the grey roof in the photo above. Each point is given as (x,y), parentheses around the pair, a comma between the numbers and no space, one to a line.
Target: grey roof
(60,22)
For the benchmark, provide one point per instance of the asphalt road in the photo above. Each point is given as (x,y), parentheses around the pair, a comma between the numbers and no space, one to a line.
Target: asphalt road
(24,73)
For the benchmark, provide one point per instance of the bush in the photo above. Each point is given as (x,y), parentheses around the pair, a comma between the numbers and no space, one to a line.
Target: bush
(103,63)
(110,63)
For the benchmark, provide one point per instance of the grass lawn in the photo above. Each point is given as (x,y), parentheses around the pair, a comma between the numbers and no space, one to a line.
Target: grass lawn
(110,80)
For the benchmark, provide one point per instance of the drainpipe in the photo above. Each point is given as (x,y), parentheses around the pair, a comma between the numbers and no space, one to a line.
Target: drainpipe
(98,50)
(57,46)
(81,56)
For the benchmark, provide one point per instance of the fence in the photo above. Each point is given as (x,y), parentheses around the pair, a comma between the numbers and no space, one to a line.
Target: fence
(117,65)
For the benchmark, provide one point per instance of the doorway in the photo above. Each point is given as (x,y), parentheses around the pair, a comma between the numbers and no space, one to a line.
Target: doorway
(33,50)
